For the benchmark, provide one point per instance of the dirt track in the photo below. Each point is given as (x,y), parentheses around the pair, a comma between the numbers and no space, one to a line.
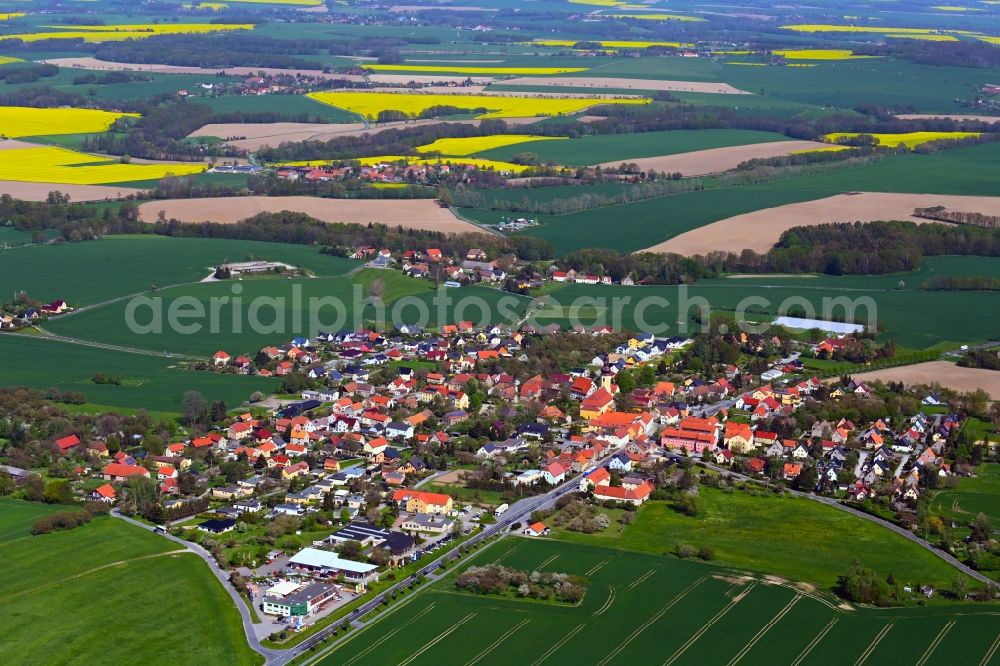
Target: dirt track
(259,135)
(40,191)
(944,373)
(411,213)
(761,229)
(624,84)
(717,160)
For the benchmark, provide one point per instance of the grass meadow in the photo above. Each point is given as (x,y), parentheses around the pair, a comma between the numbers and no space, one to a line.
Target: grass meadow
(646,608)
(119,265)
(737,525)
(59,592)
(909,317)
(972,497)
(284,309)
(151,383)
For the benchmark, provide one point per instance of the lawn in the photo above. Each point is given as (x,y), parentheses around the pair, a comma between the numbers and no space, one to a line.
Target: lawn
(589,150)
(104,567)
(650,609)
(973,496)
(794,538)
(120,265)
(151,383)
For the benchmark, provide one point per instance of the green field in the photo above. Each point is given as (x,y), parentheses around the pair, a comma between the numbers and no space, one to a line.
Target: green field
(645,223)
(285,309)
(60,592)
(95,271)
(738,526)
(151,383)
(590,150)
(972,497)
(651,609)
(908,316)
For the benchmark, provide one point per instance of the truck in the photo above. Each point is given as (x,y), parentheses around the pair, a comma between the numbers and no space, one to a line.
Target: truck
(500,509)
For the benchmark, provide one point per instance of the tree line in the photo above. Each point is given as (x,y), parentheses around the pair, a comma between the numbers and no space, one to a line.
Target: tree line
(958,217)
(870,248)
(336,238)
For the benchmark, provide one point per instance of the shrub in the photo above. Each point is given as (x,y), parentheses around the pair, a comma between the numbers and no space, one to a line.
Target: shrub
(61,520)
(706,553)
(685,551)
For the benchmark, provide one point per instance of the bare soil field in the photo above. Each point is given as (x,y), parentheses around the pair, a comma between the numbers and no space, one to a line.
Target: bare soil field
(456,476)
(411,213)
(40,191)
(944,373)
(948,116)
(638,84)
(761,229)
(259,135)
(717,160)
(17,144)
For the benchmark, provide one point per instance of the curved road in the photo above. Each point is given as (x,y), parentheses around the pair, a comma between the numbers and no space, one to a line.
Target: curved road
(517,512)
(829,501)
(241,606)
(276,657)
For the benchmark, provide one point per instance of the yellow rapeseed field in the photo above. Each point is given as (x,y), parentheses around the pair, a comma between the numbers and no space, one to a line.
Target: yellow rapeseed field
(478,144)
(11,15)
(830,149)
(885,30)
(109,33)
(819,54)
(48,164)
(369,104)
(20,121)
(6,60)
(655,17)
(612,44)
(955,8)
(909,139)
(463,69)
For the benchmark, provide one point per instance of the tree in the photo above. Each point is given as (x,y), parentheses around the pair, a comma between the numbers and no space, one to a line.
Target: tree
(219,410)
(8,484)
(961,586)
(981,529)
(195,407)
(625,381)
(350,549)
(34,489)
(862,585)
(377,288)
(59,491)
